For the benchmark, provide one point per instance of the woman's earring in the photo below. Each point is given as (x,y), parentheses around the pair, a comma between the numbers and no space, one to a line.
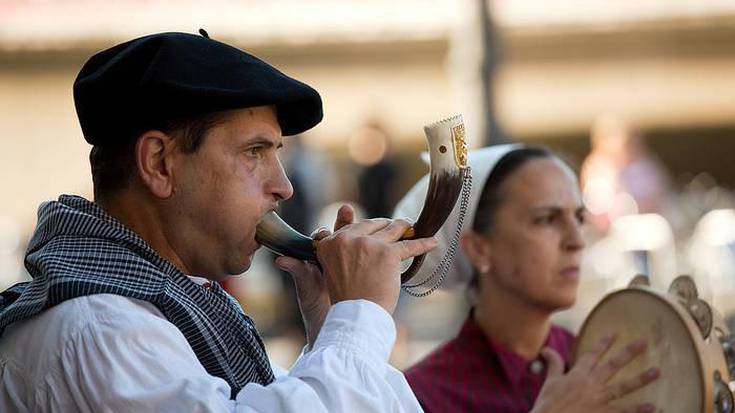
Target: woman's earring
(173,192)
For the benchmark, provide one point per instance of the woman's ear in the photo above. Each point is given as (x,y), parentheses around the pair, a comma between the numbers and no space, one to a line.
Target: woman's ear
(154,160)
(477,249)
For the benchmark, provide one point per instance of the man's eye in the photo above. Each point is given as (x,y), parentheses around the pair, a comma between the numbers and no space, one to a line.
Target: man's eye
(255,151)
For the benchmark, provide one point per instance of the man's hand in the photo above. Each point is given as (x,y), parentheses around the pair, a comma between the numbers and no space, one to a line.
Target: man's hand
(586,387)
(362,260)
(311,286)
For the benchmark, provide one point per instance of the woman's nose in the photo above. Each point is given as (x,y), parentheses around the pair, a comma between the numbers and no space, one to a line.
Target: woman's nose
(574,239)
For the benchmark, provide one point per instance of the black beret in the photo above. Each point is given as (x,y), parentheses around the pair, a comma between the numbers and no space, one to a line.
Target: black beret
(165,77)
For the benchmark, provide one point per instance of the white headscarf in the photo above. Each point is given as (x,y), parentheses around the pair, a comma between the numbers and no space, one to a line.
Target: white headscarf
(482,161)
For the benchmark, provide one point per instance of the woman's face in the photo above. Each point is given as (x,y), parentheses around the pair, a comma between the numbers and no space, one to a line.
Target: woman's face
(534,247)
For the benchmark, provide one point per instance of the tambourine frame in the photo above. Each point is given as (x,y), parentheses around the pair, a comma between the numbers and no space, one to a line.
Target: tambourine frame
(707,361)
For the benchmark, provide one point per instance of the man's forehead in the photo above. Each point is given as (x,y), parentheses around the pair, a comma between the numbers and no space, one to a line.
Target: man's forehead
(251,124)
(258,117)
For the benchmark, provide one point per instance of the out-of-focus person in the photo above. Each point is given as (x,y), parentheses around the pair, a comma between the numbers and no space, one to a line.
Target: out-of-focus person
(620,176)
(369,147)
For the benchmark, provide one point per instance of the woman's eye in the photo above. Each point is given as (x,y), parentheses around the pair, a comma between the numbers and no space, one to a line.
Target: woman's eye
(545,220)
(581,217)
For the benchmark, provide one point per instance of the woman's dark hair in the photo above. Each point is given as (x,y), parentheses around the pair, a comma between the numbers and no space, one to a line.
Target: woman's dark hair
(491,196)
(113,165)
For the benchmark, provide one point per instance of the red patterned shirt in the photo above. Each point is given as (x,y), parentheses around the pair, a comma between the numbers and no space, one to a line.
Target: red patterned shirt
(471,373)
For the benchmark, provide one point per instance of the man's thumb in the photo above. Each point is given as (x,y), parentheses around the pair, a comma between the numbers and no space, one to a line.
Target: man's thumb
(302,272)
(290,265)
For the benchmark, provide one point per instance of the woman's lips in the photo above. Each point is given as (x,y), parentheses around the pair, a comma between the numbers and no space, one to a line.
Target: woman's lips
(570,272)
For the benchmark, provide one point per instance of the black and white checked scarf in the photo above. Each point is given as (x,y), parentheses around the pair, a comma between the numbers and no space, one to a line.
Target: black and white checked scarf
(80,250)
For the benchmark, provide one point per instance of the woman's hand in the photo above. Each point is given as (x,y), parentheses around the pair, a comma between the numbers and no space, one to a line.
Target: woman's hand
(587,388)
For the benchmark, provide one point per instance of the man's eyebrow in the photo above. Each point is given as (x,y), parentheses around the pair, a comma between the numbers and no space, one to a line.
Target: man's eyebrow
(261,140)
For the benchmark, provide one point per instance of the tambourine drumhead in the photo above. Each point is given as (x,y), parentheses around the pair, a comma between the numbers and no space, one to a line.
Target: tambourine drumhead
(673,345)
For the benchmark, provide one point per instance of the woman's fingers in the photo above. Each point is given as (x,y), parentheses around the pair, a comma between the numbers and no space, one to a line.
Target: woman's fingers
(641,408)
(630,385)
(588,361)
(621,359)
(554,362)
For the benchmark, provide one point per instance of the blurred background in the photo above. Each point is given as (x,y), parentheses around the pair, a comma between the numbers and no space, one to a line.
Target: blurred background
(638,96)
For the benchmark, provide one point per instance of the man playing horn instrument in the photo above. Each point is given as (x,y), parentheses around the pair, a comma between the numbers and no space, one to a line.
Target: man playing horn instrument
(125,313)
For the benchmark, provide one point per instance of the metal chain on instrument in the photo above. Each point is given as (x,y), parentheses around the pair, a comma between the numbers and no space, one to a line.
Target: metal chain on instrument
(442,269)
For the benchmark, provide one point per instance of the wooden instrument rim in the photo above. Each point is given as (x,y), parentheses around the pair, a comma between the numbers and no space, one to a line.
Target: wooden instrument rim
(707,384)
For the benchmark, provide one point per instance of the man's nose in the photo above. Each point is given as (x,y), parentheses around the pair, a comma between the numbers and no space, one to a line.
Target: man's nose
(281,187)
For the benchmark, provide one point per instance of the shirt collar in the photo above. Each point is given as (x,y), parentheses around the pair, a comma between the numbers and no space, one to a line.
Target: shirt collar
(198,280)
(514,367)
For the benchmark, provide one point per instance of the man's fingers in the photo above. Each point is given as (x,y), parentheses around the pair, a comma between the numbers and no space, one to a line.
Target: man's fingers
(289,264)
(415,247)
(345,216)
(369,226)
(393,231)
(297,268)
(320,233)
(554,362)
(621,359)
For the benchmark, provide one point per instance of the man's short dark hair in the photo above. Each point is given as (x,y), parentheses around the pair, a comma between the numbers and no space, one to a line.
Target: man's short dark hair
(113,164)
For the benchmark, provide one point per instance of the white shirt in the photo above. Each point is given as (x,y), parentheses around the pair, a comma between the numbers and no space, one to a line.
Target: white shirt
(108,353)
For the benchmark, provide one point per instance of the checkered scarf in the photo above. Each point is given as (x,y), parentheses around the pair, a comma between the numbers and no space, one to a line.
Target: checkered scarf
(79,250)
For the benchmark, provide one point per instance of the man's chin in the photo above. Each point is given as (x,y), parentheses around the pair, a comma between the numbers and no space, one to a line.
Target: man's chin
(245,265)
(242,263)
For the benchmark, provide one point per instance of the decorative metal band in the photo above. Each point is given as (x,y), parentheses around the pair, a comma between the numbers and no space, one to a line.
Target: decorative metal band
(460,145)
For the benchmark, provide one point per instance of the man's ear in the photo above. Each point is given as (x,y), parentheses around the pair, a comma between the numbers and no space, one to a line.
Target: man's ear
(477,250)
(154,157)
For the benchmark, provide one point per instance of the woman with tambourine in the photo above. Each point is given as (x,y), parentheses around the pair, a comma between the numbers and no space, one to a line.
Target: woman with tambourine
(519,260)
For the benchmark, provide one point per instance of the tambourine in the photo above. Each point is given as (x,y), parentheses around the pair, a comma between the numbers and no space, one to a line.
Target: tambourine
(687,340)
(449,178)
